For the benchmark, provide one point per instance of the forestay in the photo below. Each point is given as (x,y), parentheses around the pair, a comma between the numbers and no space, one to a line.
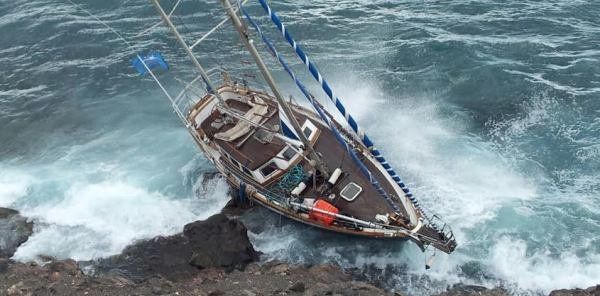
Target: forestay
(323,116)
(312,68)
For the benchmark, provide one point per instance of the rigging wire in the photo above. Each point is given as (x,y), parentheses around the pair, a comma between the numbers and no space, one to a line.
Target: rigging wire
(132,48)
(104,24)
(363,168)
(158,23)
(276,61)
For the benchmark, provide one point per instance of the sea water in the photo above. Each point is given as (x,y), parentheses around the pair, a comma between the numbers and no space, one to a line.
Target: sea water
(489,110)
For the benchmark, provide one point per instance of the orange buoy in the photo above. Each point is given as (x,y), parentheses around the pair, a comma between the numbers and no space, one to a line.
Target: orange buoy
(324,218)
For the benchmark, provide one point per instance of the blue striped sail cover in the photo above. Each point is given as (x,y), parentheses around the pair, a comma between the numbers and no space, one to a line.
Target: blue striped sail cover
(286,125)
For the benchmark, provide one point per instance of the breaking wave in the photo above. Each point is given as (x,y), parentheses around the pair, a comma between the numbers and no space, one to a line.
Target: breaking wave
(13,186)
(98,220)
(488,112)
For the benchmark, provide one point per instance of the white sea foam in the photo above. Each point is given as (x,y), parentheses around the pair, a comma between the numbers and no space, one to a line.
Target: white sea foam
(275,242)
(540,271)
(453,173)
(95,220)
(467,181)
(360,97)
(13,185)
(464,178)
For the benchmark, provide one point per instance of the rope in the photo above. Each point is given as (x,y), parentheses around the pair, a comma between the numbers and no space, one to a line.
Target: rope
(159,23)
(132,48)
(312,68)
(310,98)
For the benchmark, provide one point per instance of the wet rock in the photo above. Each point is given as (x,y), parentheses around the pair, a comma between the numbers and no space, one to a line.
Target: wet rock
(236,207)
(328,273)
(471,290)
(68,266)
(219,248)
(216,293)
(297,287)
(354,285)
(277,267)
(159,286)
(64,278)
(14,231)
(216,242)
(17,289)
(221,242)
(3,265)
(323,289)
(591,291)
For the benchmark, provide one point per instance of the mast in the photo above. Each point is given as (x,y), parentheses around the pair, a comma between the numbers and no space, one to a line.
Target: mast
(237,23)
(167,20)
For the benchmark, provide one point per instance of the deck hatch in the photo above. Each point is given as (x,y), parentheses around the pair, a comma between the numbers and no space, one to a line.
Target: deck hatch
(351,191)
(268,169)
(288,154)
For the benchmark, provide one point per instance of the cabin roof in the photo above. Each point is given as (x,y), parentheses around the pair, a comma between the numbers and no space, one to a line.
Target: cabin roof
(247,150)
(252,153)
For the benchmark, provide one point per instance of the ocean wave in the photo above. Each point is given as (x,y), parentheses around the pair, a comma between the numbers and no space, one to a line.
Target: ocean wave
(542,270)
(487,111)
(100,219)
(13,186)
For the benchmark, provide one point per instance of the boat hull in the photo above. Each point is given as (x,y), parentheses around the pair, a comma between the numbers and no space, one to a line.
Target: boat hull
(356,221)
(262,201)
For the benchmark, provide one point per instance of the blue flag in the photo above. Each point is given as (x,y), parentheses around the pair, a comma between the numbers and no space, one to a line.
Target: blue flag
(152,60)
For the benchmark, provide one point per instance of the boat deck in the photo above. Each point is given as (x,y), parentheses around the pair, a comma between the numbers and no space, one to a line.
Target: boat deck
(369,202)
(247,150)
(252,153)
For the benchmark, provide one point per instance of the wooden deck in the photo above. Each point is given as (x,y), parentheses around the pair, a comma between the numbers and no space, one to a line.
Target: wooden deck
(248,152)
(253,154)
(369,202)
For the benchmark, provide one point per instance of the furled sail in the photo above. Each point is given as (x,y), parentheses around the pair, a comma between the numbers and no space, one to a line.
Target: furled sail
(338,103)
(286,125)
(363,168)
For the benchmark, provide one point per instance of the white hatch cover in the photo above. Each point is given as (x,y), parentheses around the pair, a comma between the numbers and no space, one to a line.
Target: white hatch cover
(351,191)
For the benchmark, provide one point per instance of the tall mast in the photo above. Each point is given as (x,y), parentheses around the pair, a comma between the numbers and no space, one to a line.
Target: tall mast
(167,20)
(237,23)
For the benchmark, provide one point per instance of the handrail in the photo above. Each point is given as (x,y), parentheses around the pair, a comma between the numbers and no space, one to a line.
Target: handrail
(363,168)
(312,68)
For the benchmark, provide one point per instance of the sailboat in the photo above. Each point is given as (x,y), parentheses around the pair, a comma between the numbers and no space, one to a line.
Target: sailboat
(297,161)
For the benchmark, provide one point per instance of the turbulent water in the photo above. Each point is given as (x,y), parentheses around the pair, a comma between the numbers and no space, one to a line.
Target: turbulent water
(490,110)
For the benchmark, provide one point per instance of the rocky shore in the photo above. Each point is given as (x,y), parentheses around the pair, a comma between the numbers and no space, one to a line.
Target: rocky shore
(14,230)
(211,257)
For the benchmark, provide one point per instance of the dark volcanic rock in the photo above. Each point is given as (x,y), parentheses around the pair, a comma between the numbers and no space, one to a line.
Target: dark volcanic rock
(167,256)
(65,278)
(14,230)
(3,265)
(297,287)
(591,291)
(216,242)
(469,290)
(234,208)
(221,243)
(212,257)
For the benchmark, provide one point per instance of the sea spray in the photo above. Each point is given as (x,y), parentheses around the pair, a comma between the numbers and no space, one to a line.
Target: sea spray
(488,110)
(13,186)
(98,220)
